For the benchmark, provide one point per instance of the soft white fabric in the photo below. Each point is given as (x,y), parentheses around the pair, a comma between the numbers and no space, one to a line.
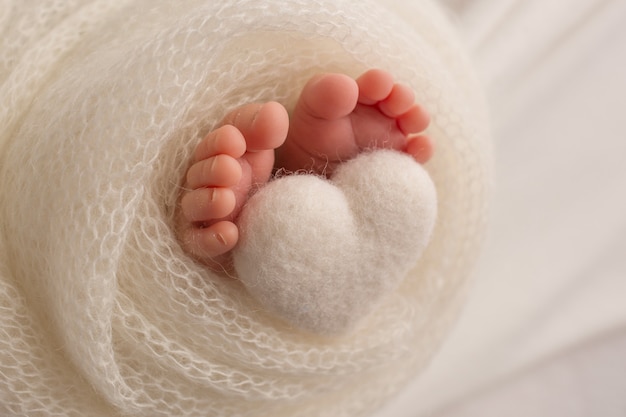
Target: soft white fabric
(552,278)
(102,104)
(580,381)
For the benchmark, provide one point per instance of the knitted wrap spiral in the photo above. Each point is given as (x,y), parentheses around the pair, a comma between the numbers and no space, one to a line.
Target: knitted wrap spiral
(101,105)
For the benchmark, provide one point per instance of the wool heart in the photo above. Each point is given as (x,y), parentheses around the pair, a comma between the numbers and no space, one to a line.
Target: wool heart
(321,254)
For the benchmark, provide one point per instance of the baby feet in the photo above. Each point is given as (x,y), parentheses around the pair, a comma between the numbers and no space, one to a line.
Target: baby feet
(228,163)
(335,118)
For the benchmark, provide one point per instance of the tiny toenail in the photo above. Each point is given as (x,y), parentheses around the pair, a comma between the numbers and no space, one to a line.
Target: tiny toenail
(213,195)
(220,238)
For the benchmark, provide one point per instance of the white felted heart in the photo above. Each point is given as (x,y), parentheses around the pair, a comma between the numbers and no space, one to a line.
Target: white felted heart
(321,253)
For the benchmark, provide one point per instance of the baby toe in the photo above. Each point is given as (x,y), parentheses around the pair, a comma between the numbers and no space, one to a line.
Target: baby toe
(206,204)
(269,127)
(216,171)
(210,242)
(374,86)
(421,148)
(398,102)
(226,139)
(263,125)
(329,96)
(415,120)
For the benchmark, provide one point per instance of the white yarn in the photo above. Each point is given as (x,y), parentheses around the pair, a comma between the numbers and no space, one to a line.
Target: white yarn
(323,254)
(101,106)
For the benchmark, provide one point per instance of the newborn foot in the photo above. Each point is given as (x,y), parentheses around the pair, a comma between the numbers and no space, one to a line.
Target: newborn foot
(337,117)
(228,163)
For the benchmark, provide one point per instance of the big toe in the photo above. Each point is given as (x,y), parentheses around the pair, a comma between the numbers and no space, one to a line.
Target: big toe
(329,96)
(264,125)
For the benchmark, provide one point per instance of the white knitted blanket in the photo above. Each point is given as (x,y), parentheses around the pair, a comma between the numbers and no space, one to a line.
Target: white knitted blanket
(103,314)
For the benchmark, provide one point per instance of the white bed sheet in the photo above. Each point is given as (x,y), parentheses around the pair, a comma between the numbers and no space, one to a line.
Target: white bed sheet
(544,330)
